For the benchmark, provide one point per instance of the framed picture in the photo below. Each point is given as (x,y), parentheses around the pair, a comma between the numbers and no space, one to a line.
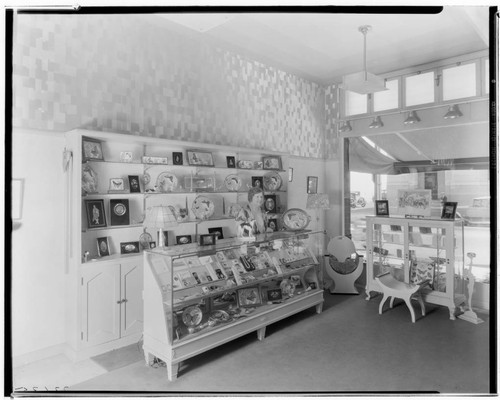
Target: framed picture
(183,239)
(92,149)
(207,240)
(271,162)
(129,247)
(258,181)
(217,232)
(270,204)
(290,174)
(273,224)
(119,210)
(312,184)
(204,158)
(152,245)
(231,161)
(431,183)
(414,203)
(116,184)
(274,295)
(449,210)
(177,158)
(133,182)
(96,217)
(126,156)
(382,207)
(249,297)
(103,246)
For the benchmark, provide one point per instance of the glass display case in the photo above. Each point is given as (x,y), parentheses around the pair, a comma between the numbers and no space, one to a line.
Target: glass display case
(198,297)
(418,250)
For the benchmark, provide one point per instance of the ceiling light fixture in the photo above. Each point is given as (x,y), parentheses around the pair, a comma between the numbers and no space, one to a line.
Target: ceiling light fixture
(376,123)
(345,127)
(363,82)
(412,118)
(453,112)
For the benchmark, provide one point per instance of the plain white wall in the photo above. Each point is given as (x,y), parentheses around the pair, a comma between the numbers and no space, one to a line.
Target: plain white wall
(37,263)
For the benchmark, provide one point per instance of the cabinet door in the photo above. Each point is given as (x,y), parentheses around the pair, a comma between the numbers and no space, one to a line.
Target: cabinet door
(131,283)
(100,307)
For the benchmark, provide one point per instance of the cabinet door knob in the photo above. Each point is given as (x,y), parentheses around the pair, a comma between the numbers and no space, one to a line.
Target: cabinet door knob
(124,300)
(119,302)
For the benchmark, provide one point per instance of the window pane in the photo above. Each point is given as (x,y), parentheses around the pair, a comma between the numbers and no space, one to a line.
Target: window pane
(388,99)
(355,103)
(487,76)
(419,89)
(459,82)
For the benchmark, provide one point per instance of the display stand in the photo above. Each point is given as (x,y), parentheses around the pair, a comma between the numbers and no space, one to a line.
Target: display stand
(469,315)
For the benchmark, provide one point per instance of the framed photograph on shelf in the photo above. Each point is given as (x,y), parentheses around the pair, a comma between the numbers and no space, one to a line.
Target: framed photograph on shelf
(270,204)
(103,246)
(249,297)
(126,156)
(258,181)
(274,295)
(129,247)
(271,162)
(134,185)
(202,158)
(183,239)
(92,150)
(152,245)
(217,231)
(231,161)
(414,203)
(312,184)
(120,213)
(449,210)
(116,185)
(96,216)
(177,158)
(273,224)
(382,208)
(207,239)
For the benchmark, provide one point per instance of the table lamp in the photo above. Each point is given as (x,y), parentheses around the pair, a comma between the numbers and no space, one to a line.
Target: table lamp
(160,217)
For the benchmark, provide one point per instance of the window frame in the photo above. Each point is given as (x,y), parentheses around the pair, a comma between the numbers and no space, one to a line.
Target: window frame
(479,79)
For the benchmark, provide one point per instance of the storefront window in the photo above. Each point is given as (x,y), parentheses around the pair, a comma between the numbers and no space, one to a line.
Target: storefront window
(419,89)
(387,99)
(459,82)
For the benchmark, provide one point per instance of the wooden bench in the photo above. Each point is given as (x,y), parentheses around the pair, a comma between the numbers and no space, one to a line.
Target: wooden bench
(392,288)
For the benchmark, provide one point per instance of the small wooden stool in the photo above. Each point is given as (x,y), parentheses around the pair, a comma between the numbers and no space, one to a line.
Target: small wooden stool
(393,288)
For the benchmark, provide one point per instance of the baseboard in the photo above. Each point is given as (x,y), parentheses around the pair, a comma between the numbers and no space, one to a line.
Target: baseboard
(47,352)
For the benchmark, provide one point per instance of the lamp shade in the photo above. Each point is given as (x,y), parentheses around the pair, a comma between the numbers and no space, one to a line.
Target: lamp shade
(453,112)
(318,200)
(160,217)
(376,123)
(412,118)
(345,127)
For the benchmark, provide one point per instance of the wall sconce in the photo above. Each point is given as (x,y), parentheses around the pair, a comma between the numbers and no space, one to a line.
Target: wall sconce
(412,118)
(376,123)
(345,127)
(453,112)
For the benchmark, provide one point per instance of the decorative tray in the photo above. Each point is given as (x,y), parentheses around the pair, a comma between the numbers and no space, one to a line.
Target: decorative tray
(295,219)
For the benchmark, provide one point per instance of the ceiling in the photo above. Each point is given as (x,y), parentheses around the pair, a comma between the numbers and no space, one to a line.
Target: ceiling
(322,47)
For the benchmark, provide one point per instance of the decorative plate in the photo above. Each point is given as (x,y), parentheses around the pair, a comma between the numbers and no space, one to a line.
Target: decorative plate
(166,182)
(219,316)
(145,239)
(245,164)
(120,209)
(89,179)
(272,181)
(203,207)
(233,210)
(232,182)
(295,219)
(146,178)
(192,316)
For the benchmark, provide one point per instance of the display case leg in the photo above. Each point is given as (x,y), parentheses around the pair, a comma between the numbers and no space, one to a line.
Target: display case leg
(319,308)
(261,333)
(452,313)
(147,357)
(172,371)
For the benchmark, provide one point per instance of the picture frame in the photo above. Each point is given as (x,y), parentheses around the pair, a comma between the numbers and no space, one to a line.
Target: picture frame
(414,203)
(449,210)
(270,203)
(274,295)
(126,156)
(177,158)
(92,150)
(382,208)
(273,224)
(249,297)
(290,174)
(271,162)
(312,184)
(129,247)
(201,158)
(152,245)
(96,215)
(217,231)
(231,161)
(134,184)
(116,185)
(258,181)
(103,246)
(207,239)
(120,212)
(183,239)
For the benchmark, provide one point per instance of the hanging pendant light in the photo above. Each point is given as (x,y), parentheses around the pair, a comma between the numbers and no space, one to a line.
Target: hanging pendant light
(376,123)
(412,118)
(363,82)
(453,112)
(345,127)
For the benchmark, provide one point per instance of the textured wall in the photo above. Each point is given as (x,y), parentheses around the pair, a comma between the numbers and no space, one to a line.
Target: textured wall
(119,73)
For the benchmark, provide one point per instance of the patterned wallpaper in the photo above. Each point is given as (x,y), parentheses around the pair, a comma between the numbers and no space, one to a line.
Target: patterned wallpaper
(119,73)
